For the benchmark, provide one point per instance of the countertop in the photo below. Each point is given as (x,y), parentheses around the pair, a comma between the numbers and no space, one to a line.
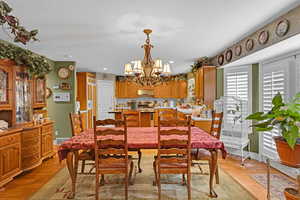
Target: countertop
(19,128)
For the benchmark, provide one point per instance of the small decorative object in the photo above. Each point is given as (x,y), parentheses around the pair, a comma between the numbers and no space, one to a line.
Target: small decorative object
(284,116)
(200,62)
(282,27)
(263,37)
(61,97)
(221,59)
(64,73)
(48,92)
(228,55)
(71,67)
(238,50)
(65,86)
(12,24)
(249,44)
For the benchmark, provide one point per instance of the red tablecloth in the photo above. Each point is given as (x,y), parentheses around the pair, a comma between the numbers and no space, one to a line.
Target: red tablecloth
(140,138)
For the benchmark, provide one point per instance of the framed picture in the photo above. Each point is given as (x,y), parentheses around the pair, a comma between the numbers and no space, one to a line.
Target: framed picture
(221,59)
(65,86)
(238,50)
(263,37)
(282,27)
(228,55)
(249,44)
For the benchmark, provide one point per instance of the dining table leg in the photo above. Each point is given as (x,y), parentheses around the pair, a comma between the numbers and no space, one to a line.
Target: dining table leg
(71,165)
(214,164)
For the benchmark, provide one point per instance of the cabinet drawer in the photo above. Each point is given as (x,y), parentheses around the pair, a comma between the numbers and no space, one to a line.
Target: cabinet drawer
(29,134)
(10,139)
(30,160)
(30,142)
(47,128)
(30,150)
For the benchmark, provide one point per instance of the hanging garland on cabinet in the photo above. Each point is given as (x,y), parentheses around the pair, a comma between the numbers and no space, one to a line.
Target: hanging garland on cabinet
(37,65)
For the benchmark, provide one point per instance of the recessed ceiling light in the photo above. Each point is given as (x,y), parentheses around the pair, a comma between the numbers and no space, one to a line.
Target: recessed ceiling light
(171,61)
(104,68)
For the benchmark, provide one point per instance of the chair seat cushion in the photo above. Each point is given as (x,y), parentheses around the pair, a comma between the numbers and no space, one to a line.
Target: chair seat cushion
(200,154)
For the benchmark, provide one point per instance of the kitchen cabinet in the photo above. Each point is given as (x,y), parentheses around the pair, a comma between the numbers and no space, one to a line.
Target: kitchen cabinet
(39,92)
(86,95)
(205,84)
(170,89)
(6,87)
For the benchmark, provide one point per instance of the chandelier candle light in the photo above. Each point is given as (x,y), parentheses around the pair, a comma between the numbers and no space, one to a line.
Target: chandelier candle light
(147,72)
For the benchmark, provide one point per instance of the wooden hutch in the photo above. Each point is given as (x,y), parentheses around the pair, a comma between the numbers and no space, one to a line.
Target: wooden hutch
(25,144)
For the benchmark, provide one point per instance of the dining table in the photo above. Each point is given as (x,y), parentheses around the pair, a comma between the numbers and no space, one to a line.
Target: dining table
(140,138)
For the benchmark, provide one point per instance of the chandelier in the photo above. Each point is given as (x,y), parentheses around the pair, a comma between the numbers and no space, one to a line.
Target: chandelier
(147,72)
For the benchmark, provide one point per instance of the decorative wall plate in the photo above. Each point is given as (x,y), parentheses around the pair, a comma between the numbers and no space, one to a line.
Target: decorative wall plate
(238,50)
(64,73)
(221,59)
(282,27)
(48,92)
(249,44)
(263,37)
(228,55)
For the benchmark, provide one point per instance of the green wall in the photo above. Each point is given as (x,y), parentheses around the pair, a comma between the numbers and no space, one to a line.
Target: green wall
(59,112)
(254,138)
(220,82)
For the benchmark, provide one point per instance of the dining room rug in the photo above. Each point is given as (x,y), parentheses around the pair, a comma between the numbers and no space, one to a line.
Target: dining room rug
(278,183)
(59,186)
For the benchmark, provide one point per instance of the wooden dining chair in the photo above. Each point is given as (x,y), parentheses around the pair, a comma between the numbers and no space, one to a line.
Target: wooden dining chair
(111,151)
(173,154)
(205,155)
(167,114)
(77,128)
(133,118)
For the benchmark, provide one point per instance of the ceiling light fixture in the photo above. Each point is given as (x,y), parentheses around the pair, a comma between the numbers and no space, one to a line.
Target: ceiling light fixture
(148,71)
(104,68)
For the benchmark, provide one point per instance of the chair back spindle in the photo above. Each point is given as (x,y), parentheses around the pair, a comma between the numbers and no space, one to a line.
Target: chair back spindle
(216,124)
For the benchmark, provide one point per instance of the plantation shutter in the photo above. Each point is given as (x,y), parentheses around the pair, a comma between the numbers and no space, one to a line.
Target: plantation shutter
(274,79)
(237,84)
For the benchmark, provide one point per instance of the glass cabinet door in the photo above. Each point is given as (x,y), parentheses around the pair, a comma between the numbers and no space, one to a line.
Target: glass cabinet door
(39,92)
(23,98)
(5,86)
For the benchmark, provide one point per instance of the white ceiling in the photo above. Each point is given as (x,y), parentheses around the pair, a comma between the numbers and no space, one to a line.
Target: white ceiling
(100,34)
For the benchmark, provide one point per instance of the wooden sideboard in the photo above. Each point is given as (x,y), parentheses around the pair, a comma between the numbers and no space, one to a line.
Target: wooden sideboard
(22,149)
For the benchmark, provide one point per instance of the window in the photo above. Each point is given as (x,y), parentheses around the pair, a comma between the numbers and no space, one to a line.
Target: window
(274,79)
(237,84)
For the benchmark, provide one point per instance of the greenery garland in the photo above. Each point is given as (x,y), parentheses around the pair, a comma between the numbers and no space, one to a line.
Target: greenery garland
(37,65)
(199,63)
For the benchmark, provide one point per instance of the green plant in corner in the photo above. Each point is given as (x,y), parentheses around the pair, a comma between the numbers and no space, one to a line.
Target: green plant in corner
(285,116)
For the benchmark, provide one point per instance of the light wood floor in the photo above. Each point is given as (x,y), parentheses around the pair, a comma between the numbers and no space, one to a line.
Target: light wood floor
(23,186)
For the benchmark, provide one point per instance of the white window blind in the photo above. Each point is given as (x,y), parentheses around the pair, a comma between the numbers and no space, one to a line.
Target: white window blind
(274,79)
(237,84)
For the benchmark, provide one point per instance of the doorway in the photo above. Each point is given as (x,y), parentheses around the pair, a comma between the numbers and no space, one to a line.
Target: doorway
(105,99)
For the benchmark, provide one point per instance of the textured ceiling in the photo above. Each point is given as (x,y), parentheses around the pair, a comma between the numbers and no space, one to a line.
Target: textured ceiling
(100,34)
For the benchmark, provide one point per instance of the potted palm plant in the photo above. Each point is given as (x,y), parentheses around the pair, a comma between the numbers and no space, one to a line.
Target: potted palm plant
(286,117)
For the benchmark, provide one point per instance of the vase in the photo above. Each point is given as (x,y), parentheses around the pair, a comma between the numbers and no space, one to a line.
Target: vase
(287,155)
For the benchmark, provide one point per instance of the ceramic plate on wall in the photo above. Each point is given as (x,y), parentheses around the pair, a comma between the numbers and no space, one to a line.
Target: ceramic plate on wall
(238,50)
(282,27)
(221,59)
(249,44)
(263,37)
(228,55)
